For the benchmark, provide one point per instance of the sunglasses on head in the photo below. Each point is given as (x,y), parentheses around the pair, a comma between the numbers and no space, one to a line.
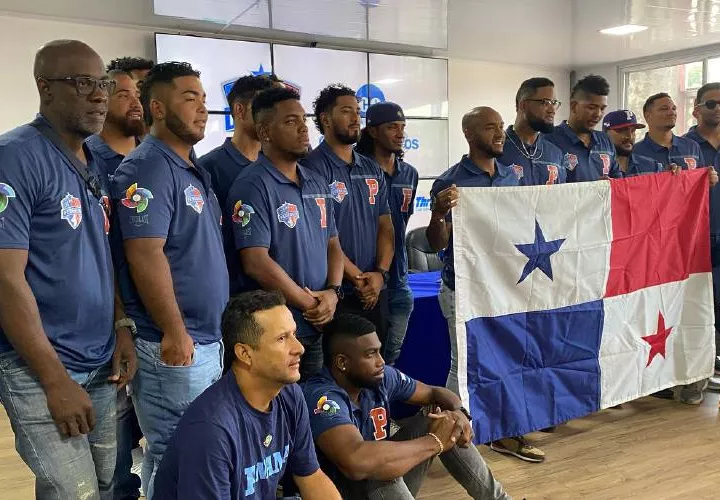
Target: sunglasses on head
(709,104)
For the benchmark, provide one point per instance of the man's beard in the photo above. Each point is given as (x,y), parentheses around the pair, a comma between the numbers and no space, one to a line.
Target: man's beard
(541,126)
(363,384)
(177,127)
(623,152)
(487,149)
(345,137)
(129,128)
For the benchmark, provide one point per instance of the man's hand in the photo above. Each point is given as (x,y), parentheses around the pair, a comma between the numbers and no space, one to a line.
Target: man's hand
(370,290)
(445,426)
(674,168)
(713,176)
(70,407)
(467,434)
(445,201)
(324,311)
(177,349)
(124,360)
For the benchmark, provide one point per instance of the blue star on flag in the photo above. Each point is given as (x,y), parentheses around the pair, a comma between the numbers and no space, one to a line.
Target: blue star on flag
(261,72)
(538,254)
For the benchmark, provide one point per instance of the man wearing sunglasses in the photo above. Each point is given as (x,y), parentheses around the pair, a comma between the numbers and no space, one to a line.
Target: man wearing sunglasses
(59,358)
(534,159)
(589,154)
(707,134)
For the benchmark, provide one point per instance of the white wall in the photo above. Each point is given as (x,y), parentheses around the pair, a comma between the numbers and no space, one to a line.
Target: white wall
(21,38)
(476,83)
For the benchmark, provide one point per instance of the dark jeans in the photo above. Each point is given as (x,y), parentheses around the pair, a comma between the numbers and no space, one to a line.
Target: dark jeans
(127,484)
(465,465)
(379,315)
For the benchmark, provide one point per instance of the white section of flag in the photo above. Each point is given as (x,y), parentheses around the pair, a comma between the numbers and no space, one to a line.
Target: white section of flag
(690,348)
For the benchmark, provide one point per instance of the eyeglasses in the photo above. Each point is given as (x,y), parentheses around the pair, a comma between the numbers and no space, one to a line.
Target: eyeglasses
(85,85)
(709,104)
(547,102)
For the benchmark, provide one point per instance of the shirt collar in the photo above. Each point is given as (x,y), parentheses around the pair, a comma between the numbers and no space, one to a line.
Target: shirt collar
(658,147)
(264,162)
(695,135)
(172,155)
(565,129)
(234,153)
(104,151)
(337,161)
(500,169)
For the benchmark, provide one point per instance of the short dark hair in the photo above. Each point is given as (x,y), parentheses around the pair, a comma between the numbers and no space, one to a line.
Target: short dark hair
(366,145)
(163,73)
(651,100)
(238,322)
(267,99)
(326,101)
(128,64)
(245,88)
(708,87)
(343,325)
(591,84)
(530,86)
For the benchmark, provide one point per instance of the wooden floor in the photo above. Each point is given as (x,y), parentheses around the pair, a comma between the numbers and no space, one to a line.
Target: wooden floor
(650,449)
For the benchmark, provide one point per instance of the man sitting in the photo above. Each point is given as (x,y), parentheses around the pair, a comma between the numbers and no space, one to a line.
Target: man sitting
(349,405)
(238,438)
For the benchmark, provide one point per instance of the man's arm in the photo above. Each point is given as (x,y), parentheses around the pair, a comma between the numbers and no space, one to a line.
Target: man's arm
(124,348)
(69,404)
(336,262)
(378,460)
(259,266)
(385,242)
(447,400)
(323,312)
(440,227)
(317,486)
(151,274)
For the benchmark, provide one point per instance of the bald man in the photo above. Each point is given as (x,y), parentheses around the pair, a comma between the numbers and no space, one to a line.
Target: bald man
(483,130)
(60,355)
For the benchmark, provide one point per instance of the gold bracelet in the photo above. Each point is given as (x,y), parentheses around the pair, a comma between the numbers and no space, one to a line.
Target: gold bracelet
(437,439)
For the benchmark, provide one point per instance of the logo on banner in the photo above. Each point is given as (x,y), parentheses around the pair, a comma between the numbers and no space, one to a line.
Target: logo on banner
(194,199)
(71,210)
(367,95)
(288,214)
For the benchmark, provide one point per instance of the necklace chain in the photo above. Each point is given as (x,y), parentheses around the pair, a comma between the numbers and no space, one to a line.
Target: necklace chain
(536,154)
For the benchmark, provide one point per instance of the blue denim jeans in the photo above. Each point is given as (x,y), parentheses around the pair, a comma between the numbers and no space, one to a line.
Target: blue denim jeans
(127,484)
(400,305)
(65,468)
(162,393)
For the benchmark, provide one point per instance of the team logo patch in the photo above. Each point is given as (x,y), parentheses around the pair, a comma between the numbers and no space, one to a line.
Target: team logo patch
(338,191)
(194,199)
(572,161)
(241,213)
(267,441)
(71,210)
(6,192)
(326,406)
(137,198)
(518,170)
(288,214)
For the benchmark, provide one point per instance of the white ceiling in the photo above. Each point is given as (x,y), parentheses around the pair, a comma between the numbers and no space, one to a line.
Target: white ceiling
(558,33)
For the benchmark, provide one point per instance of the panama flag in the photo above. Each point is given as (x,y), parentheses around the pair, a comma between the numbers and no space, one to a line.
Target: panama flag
(577,297)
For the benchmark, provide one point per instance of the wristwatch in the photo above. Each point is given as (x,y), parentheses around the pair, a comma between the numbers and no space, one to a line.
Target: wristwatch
(338,291)
(126,323)
(385,274)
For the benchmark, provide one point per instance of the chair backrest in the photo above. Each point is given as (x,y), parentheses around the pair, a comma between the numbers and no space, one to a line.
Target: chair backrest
(421,258)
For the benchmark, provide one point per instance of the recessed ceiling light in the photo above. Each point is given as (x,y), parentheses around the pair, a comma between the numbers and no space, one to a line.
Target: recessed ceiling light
(625,29)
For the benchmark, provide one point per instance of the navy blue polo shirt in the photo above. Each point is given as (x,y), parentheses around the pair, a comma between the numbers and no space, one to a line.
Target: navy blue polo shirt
(158,195)
(225,163)
(360,195)
(106,158)
(640,165)
(295,223)
(709,156)
(467,174)
(224,448)
(46,209)
(402,186)
(583,163)
(546,164)
(684,152)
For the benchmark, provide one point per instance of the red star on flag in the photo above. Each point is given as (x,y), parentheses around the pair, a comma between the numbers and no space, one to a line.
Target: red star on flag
(658,340)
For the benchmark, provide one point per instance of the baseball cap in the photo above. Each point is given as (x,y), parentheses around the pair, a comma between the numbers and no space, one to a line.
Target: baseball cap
(622,118)
(384,112)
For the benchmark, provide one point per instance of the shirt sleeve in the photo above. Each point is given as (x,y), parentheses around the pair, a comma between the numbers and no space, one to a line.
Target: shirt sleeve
(144,194)
(383,194)
(415,179)
(303,460)
(399,386)
(204,462)
(327,409)
(250,214)
(20,192)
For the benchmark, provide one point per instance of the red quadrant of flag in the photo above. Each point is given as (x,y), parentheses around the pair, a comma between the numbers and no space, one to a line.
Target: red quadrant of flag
(660,229)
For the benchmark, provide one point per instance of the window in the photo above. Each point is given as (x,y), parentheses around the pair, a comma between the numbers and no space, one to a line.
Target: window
(681,82)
